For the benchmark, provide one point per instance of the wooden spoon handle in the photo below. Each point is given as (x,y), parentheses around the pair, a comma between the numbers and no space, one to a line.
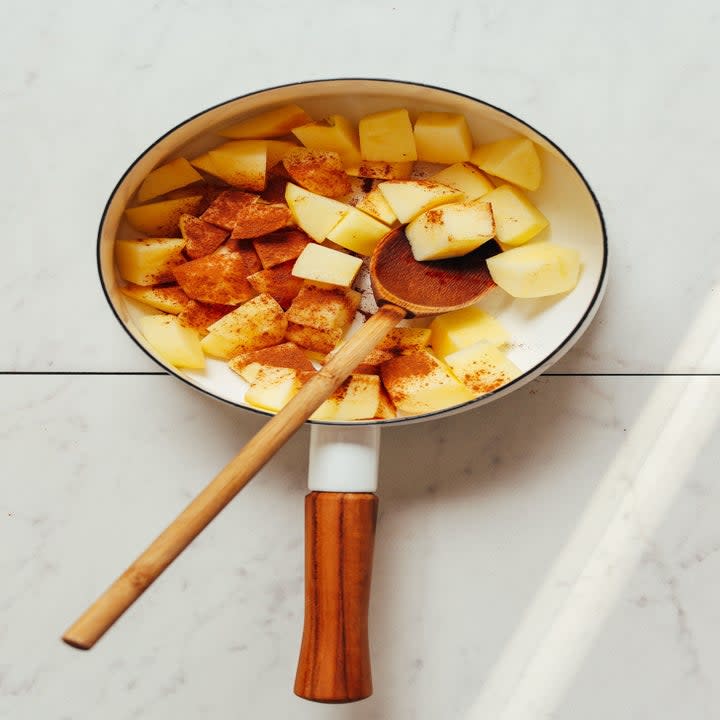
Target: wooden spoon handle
(334,665)
(91,626)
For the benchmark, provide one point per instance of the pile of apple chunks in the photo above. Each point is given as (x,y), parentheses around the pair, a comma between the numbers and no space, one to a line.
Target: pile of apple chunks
(250,254)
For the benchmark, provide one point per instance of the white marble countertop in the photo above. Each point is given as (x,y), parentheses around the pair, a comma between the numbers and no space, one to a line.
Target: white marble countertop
(553,556)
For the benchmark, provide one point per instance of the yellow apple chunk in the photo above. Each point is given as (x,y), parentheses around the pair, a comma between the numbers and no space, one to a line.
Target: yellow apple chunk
(458,329)
(375,204)
(160,219)
(466,178)
(360,399)
(482,368)
(285,355)
(319,171)
(315,214)
(171,176)
(242,163)
(357,398)
(409,198)
(386,409)
(325,265)
(513,159)
(205,163)
(335,133)
(148,261)
(256,324)
(442,138)
(277,150)
(324,308)
(517,220)
(273,123)
(403,339)
(272,388)
(419,383)
(168,299)
(358,232)
(450,230)
(313,339)
(172,341)
(387,136)
(536,270)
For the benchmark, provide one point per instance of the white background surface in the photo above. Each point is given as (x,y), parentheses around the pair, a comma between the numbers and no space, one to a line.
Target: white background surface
(482,572)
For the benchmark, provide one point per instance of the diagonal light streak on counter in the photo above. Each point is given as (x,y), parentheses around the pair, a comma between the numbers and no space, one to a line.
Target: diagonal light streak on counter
(558,629)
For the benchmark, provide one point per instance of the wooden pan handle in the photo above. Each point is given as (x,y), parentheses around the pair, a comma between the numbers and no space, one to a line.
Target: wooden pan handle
(334,665)
(91,626)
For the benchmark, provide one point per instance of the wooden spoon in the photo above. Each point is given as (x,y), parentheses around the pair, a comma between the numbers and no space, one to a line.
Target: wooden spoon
(403,287)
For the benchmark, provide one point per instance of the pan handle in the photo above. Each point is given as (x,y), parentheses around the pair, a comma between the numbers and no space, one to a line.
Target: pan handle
(340,519)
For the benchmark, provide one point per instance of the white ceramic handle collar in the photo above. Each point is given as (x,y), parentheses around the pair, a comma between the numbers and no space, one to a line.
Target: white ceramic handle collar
(344,458)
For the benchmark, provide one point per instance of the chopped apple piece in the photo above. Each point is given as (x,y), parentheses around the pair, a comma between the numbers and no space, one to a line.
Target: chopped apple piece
(247,253)
(442,137)
(148,261)
(378,357)
(324,307)
(160,219)
(386,409)
(171,176)
(272,123)
(450,230)
(358,232)
(320,341)
(285,355)
(201,238)
(419,383)
(536,270)
(260,218)
(277,150)
(466,178)
(458,329)
(378,170)
(205,163)
(220,278)
(482,367)
(403,339)
(409,198)
(357,398)
(325,265)
(517,220)
(272,388)
(280,247)
(242,164)
(375,204)
(335,133)
(316,214)
(168,299)
(513,159)
(200,316)
(319,171)
(258,323)
(387,136)
(224,208)
(277,281)
(172,341)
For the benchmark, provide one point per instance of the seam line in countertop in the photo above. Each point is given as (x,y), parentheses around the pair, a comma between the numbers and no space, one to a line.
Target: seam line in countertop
(546,374)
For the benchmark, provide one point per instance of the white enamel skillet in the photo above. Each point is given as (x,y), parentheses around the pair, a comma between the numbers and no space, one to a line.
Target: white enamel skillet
(341,508)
